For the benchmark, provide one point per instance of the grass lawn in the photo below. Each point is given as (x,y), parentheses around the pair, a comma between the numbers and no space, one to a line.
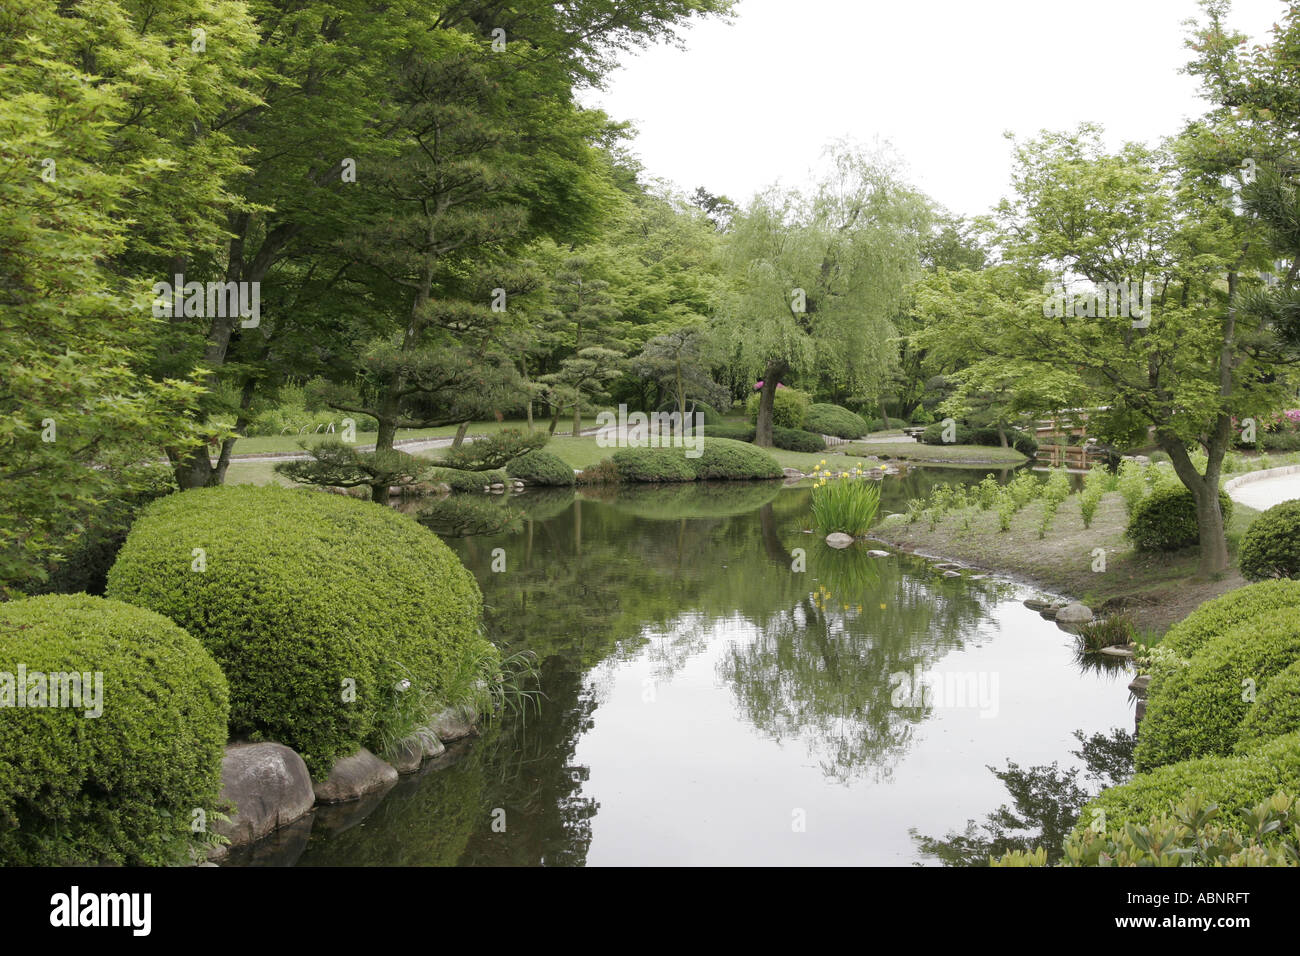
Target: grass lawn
(255,473)
(1155,589)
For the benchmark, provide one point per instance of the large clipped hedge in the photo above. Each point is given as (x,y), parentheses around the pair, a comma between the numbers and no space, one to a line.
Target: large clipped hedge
(720,459)
(789,407)
(734,461)
(795,439)
(122,787)
(653,464)
(826,419)
(305,596)
(541,468)
(1276,710)
(1271,546)
(1228,611)
(1194,711)
(1242,780)
(1165,520)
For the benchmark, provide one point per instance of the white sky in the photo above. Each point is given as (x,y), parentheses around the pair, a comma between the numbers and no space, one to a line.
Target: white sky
(753,103)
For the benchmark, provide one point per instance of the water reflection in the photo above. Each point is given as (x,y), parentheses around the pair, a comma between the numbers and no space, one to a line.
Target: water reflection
(699,689)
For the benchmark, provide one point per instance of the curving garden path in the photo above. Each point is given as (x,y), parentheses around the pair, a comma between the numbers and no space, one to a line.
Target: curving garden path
(1262,490)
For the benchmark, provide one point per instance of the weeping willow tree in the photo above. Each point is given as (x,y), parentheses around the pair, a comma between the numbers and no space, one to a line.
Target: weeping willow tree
(816,278)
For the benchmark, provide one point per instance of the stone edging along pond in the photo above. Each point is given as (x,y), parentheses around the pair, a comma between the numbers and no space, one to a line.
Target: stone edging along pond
(270,788)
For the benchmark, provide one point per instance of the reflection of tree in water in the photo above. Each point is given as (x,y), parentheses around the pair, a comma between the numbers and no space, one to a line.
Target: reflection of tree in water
(587,582)
(529,772)
(820,667)
(1046,801)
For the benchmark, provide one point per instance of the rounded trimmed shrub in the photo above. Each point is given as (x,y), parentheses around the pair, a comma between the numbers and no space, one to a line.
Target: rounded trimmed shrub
(1243,780)
(653,464)
(1194,711)
(1271,546)
(724,459)
(789,407)
(795,439)
(120,787)
(1229,611)
(541,468)
(314,605)
(1165,520)
(827,419)
(1276,710)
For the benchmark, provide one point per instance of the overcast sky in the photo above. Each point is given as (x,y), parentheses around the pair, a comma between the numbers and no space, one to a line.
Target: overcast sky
(754,102)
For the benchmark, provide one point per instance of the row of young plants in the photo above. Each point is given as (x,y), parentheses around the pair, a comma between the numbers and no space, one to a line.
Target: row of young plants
(262,613)
(1161,512)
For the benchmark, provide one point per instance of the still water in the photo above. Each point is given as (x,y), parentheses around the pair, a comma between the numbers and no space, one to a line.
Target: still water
(707,703)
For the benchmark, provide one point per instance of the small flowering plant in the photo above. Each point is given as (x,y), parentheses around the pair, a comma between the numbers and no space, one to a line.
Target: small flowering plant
(846,502)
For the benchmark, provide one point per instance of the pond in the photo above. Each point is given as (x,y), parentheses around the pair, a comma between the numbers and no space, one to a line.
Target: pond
(706,703)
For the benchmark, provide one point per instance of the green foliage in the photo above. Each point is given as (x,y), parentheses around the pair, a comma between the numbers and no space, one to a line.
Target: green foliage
(1276,710)
(825,419)
(1055,491)
(302,596)
(1227,612)
(495,450)
(653,464)
(602,473)
(85,560)
(787,439)
(457,516)
(466,481)
(733,430)
(1240,780)
(1096,483)
(964,434)
(881,425)
(1132,482)
(986,493)
(541,468)
(120,787)
(794,439)
(1112,631)
(720,459)
(727,460)
(1271,545)
(1195,832)
(848,505)
(298,420)
(1194,711)
(1165,520)
(339,465)
(789,408)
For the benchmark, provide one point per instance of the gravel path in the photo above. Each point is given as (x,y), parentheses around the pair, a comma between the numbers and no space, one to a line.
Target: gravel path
(1262,490)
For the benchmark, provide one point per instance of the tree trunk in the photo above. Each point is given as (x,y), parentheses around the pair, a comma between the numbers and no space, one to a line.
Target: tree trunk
(771,378)
(1205,489)
(1002,433)
(460,434)
(577,418)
